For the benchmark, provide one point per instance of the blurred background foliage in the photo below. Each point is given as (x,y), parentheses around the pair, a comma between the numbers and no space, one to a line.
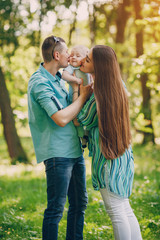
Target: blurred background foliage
(131,27)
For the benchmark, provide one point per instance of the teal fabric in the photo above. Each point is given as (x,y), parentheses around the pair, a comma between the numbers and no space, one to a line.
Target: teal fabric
(79,74)
(120,171)
(46,95)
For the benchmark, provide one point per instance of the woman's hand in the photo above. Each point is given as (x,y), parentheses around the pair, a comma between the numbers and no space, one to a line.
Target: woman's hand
(86,91)
(91,78)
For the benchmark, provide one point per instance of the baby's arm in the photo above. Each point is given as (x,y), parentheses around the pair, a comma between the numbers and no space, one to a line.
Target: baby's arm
(70,78)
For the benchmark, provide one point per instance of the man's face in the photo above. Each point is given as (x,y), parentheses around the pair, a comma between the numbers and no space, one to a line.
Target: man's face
(64,56)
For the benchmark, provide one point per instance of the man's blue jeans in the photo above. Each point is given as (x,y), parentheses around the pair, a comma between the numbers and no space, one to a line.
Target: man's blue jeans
(65,176)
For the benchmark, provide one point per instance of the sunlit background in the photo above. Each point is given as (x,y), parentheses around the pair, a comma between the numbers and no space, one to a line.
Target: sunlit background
(132,29)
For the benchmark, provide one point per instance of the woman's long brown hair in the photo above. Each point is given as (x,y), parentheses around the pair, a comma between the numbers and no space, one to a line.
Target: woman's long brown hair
(112,103)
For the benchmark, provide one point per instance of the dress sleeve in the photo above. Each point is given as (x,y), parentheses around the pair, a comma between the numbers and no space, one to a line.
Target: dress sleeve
(88,115)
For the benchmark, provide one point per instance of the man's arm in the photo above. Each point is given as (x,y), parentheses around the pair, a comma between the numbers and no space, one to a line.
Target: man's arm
(70,78)
(64,116)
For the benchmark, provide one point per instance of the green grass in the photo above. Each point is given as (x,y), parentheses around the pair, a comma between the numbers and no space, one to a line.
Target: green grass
(23,198)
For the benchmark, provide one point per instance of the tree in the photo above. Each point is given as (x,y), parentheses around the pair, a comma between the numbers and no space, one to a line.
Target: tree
(92,22)
(15,148)
(73,24)
(8,23)
(146,106)
(121,20)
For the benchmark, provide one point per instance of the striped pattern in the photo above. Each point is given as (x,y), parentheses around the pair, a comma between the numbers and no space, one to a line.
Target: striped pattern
(117,174)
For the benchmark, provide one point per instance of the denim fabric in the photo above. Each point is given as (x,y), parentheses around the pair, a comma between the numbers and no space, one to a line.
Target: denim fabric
(65,176)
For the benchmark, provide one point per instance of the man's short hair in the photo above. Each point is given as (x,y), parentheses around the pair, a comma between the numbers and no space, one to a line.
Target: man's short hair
(49,45)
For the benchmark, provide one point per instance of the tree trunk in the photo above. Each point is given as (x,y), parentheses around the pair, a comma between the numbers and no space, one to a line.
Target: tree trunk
(15,149)
(92,23)
(72,29)
(146,106)
(121,21)
(73,25)
(122,17)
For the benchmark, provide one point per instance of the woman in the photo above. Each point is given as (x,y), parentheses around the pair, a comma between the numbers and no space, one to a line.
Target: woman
(106,115)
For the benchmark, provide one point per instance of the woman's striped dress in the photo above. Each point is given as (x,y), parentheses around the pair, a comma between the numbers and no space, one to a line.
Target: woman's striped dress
(117,174)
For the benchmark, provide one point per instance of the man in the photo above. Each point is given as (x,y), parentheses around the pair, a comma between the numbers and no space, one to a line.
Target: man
(56,142)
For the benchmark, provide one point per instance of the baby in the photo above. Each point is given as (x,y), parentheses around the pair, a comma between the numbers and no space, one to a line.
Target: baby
(77,54)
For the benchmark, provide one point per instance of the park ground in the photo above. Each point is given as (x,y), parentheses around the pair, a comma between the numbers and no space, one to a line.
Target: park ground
(23,197)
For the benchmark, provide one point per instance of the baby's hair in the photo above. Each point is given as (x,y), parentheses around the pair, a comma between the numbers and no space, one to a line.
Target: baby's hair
(82,48)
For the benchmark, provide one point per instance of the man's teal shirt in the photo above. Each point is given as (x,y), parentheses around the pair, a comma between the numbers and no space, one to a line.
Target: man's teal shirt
(46,95)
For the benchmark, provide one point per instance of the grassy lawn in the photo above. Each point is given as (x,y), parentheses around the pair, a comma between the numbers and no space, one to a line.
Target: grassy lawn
(23,198)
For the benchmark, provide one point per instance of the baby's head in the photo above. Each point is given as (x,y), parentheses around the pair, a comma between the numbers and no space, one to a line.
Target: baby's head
(77,54)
